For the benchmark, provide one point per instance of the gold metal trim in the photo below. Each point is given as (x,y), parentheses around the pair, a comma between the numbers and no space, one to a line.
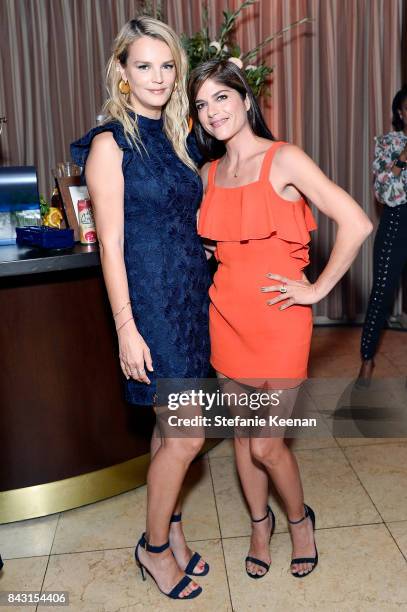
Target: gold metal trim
(51,497)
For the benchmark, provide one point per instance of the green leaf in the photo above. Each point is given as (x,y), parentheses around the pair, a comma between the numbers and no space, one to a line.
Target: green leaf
(198,50)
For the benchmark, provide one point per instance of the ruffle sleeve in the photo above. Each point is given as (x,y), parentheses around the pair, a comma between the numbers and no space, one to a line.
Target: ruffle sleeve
(80,148)
(254,213)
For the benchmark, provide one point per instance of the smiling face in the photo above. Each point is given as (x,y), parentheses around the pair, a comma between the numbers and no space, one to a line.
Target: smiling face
(151,73)
(221,110)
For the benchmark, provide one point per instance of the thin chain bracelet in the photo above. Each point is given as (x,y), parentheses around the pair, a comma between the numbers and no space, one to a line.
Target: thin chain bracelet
(123,324)
(121,310)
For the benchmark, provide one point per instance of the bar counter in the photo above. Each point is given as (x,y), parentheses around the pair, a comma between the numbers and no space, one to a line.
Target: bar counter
(67,437)
(17,261)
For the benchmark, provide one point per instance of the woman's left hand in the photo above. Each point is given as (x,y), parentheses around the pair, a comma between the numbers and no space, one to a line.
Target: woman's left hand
(297,291)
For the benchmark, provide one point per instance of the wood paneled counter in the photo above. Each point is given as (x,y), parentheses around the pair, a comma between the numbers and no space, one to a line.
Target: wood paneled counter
(67,436)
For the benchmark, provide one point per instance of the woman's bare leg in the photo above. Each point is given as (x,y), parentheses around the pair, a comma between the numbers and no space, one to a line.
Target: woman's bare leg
(178,544)
(255,481)
(282,466)
(166,474)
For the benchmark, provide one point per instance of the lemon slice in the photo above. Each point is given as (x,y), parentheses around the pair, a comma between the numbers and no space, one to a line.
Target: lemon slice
(53,218)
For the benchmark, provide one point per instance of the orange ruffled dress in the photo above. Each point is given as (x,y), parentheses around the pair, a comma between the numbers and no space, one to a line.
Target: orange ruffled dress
(257,232)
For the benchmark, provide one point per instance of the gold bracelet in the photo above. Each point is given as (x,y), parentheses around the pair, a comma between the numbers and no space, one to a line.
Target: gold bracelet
(123,324)
(121,310)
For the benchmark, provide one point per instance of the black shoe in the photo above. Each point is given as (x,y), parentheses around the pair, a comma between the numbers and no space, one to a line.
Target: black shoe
(364,378)
(259,561)
(308,512)
(180,586)
(196,557)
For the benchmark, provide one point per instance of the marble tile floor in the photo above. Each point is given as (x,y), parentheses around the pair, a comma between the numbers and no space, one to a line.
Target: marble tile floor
(356,486)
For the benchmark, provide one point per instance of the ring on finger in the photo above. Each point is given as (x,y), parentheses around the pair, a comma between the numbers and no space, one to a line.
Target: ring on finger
(283,289)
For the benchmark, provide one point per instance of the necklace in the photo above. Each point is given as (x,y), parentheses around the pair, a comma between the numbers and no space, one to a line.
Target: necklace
(236,172)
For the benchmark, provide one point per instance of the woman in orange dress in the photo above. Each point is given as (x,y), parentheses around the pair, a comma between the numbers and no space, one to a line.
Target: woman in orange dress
(260,314)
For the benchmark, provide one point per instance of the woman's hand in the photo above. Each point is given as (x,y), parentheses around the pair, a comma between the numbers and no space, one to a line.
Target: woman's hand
(298,291)
(134,353)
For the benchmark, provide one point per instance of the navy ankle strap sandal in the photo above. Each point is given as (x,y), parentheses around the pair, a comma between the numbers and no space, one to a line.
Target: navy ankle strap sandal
(259,561)
(179,587)
(308,513)
(196,557)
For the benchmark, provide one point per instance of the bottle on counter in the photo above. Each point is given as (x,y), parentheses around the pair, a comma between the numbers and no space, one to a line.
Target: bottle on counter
(56,201)
(87,227)
(54,217)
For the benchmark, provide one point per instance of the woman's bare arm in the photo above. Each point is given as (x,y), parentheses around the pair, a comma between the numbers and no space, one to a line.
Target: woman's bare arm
(295,168)
(104,178)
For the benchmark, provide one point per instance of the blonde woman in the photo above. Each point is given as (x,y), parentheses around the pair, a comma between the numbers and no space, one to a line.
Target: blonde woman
(145,191)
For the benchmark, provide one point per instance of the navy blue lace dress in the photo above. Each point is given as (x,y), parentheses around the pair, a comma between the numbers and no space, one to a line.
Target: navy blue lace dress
(166,266)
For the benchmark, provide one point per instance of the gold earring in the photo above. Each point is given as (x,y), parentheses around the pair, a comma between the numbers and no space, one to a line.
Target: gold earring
(124,87)
(175,85)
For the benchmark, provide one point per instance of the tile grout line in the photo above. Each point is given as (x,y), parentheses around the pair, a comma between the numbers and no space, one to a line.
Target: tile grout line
(371,444)
(377,510)
(221,537)
(194,541)
(100,550)
(395,541)
(278,533)
(49,557)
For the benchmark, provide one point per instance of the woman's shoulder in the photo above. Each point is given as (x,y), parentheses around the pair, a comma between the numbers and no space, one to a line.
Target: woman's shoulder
(104,139)
(112,128)
(285,153)
(266,146)
(204,173)
(80,148)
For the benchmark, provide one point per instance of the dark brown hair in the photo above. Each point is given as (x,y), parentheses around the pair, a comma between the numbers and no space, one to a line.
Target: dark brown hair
(398,101)
(225,73)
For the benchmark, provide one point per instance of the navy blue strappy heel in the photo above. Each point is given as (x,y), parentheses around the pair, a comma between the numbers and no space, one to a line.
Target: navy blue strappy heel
(308,513)
(259,561)
(179,587)
(196,557)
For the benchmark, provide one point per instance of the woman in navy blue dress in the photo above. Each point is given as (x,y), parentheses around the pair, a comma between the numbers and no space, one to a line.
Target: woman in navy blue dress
(145,190)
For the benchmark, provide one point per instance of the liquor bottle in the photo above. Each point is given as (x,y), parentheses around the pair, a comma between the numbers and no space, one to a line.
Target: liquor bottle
(56,201)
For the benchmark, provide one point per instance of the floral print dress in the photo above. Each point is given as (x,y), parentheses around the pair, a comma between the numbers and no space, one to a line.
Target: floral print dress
(389,189)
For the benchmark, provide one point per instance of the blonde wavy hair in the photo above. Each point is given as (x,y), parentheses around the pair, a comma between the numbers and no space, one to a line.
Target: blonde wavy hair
(175,112)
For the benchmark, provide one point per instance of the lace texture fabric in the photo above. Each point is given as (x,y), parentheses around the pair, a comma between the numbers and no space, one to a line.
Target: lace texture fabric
(166,266)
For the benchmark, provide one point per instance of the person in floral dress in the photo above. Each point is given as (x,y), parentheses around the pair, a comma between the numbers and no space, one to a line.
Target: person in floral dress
(390,247)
